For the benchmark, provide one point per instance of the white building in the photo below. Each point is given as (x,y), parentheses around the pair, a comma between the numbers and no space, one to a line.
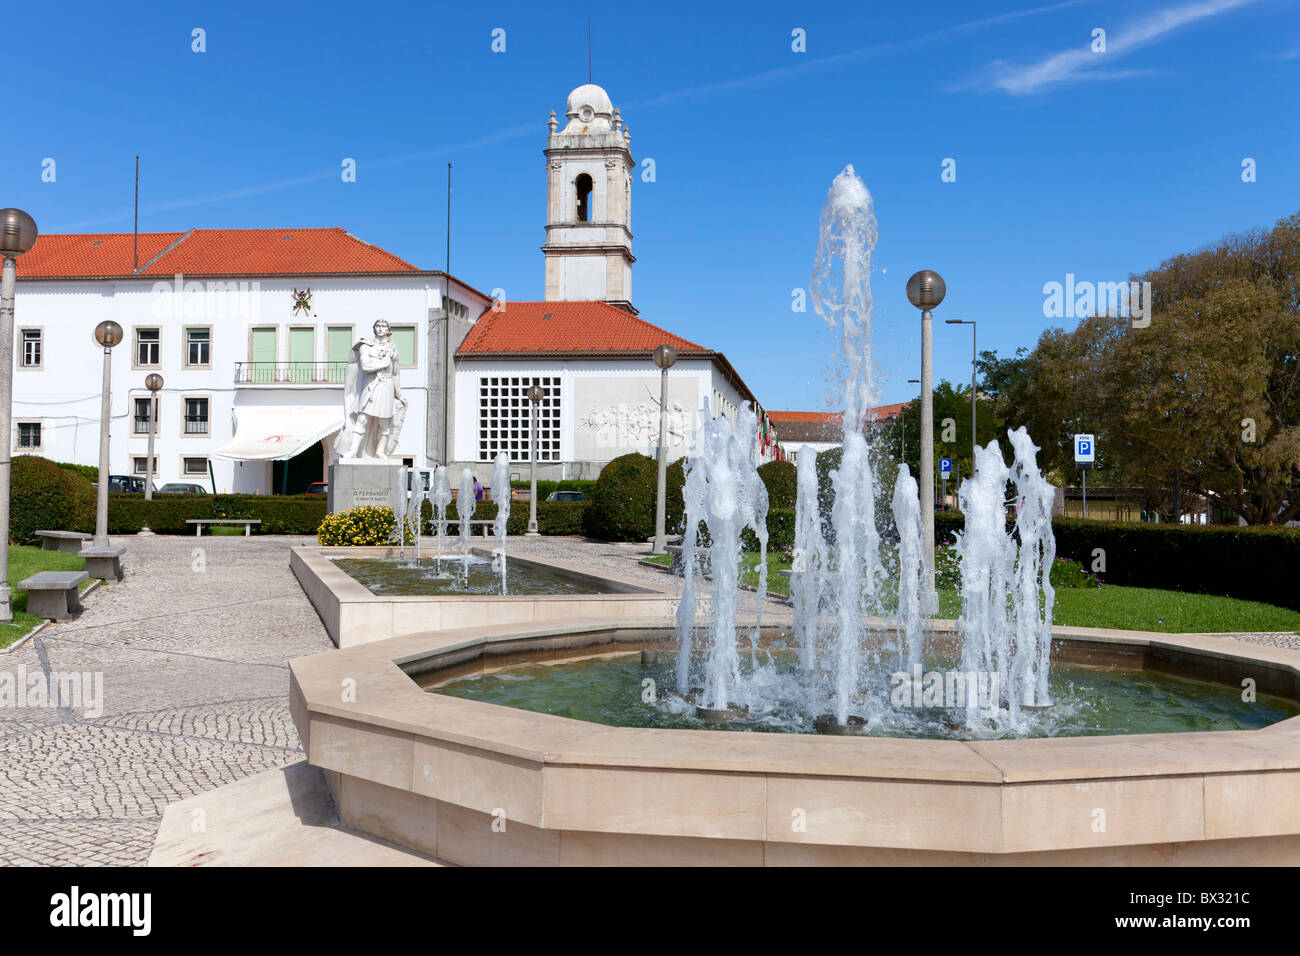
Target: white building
(253,366)
(252,371)
(584,343)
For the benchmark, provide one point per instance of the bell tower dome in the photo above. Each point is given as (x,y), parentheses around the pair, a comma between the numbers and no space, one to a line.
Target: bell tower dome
(589,202)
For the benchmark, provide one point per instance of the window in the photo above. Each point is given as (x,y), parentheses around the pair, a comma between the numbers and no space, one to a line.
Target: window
(505,418)
(30,356)
(338,349)
(191,467)
(139,465)
(404,341)
(196,416)
(583,186)
(198,347)
(29,436)
(142,415)
(148,347)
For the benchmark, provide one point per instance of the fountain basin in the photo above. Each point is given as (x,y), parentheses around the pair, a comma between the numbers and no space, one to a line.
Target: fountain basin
(354,614)
(436,772)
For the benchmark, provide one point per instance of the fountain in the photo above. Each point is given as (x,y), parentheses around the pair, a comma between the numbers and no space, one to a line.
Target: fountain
(590,763)
(465,502)
(441,494)
(724,496)
(501,481)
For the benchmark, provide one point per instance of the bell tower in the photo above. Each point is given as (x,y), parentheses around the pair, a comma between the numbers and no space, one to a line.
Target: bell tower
(589,203)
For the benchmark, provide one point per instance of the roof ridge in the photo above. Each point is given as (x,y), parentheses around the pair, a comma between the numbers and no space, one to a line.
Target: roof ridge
(182,238)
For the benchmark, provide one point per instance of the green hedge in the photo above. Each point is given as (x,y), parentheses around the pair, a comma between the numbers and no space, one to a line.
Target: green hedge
(47,497)
(553,517)
(167,514)
(780,532)
(781,479)
(622,505)
(1254,564)
(89,472)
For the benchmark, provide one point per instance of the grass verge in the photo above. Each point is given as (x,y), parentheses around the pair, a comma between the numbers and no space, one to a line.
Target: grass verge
(24,561)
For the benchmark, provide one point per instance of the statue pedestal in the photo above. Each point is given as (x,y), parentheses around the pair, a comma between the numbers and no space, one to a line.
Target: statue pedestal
(363,481)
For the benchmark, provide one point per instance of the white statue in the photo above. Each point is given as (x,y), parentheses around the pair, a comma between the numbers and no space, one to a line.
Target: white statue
(373,407)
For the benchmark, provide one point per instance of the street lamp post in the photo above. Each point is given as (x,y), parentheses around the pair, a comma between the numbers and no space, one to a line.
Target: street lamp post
(910,381)
(925,290)
(664,356)
(17,235)
(107,335)
(973,443)
(535,395)
(154,383)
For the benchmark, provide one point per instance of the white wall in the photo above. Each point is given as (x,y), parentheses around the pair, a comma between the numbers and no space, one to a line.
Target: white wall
(608,408)
(64,394)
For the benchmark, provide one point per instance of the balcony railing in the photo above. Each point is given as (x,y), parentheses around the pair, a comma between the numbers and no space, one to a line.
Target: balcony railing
(290,373)
(196,424)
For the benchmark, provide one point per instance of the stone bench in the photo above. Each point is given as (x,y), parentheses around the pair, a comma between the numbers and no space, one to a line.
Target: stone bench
(67,541)
(104,563)
(53,594)
(200,522)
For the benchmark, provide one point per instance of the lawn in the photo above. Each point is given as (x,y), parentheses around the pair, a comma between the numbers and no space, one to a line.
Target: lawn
(24,561)
(1132,609)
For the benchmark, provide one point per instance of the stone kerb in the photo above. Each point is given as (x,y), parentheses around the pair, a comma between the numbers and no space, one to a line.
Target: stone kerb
(437,772)
(353,615)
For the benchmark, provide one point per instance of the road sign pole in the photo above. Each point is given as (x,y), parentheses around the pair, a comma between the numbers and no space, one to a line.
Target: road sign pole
(1085,492)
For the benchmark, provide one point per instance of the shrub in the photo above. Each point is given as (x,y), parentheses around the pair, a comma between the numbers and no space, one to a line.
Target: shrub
(1070,574)
(1254,564)
(167,514)
(365,525)
(89,472)
(46,497)
(622,506)
(780,532)
(782,481)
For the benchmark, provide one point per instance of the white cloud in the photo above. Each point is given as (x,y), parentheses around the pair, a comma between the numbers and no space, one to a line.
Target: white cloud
(1079,64)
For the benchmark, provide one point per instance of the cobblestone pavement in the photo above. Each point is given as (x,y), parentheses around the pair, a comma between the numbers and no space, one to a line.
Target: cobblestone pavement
(193,649)
(195,695)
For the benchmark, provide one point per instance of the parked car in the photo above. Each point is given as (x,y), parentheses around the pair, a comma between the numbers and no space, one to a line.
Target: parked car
(125,483)
(566,496)
(182,488)
(318,488)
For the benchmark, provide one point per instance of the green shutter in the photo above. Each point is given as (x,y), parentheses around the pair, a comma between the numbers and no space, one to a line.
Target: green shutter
(302,354)
(338,346)
(404,339)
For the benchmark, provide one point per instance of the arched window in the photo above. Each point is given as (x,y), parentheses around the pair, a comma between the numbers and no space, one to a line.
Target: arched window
(583,185)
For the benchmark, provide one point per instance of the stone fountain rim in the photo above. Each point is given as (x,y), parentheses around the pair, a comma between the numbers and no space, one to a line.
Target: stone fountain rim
(389,702)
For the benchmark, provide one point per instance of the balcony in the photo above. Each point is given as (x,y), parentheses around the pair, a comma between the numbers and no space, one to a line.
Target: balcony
(290,373)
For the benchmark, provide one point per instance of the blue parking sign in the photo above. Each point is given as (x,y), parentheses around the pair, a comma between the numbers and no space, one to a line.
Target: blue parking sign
(1085,449)
(945,466)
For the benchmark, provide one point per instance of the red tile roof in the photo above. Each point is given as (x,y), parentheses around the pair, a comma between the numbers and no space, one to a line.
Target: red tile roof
(207,252)
(879,412)
(568,328)
(86,255)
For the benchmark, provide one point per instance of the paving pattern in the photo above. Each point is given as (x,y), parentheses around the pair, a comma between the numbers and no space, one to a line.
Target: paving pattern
(192,649)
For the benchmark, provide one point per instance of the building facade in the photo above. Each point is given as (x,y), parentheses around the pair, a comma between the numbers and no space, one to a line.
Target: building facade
(251,331)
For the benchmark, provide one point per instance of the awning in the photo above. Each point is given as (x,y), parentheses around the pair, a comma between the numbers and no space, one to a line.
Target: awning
(278,432)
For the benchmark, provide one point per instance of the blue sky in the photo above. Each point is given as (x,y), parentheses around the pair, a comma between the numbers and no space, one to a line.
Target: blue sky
(1067,161)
